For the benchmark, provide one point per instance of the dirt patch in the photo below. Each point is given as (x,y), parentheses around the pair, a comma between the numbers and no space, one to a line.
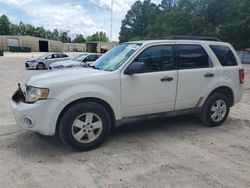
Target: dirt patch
(170,152)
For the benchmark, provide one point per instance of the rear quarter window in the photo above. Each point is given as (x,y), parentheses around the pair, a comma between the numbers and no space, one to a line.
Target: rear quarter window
(224,55)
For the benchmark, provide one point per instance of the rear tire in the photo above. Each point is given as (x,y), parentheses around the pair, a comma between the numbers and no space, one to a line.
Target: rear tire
(215,110)
(40,66)
(85,126)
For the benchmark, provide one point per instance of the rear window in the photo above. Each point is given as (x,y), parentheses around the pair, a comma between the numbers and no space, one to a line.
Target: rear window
(224,55)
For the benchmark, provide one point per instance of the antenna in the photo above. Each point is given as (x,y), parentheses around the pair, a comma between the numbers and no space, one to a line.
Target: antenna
(111,20)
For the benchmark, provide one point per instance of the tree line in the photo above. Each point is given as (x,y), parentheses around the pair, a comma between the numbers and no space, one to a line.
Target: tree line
(228,20)
(8,28)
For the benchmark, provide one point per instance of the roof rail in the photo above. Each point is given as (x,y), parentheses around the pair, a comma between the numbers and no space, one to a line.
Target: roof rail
(180,37)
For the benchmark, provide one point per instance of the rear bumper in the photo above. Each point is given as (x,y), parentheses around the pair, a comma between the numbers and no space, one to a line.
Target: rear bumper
(238,96)
(37,117)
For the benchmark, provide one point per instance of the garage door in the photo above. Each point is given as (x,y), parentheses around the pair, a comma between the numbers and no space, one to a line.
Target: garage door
(71,48)
(12,42)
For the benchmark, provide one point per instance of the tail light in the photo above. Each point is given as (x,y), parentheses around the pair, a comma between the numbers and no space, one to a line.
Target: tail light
(242,76)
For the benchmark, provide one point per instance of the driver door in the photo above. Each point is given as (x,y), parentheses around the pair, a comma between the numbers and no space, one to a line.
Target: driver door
(154,90)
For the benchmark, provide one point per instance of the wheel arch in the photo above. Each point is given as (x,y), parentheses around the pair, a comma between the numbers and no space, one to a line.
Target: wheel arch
(227,91)
(102,102)
(40,62)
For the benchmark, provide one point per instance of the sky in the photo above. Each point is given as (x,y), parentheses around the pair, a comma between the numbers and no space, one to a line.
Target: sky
(79,16)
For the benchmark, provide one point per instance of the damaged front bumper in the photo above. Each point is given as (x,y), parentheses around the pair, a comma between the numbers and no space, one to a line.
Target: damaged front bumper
(38,116)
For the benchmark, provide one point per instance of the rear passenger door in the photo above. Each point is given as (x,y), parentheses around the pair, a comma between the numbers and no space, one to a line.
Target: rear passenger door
(196,75)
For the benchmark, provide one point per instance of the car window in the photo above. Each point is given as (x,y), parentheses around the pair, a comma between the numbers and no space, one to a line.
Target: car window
(116,57)
(192,57)
(62,55)
(224,55)
(91,58)
(158,58)
(55,56)
(49,57)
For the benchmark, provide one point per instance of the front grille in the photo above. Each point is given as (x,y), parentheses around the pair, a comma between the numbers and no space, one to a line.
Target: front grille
(27,65)
(18,96)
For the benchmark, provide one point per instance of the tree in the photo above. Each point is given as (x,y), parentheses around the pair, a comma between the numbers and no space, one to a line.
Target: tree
(226,19)
(98,36)
(174,22)
(64,37)
(137,20)
(79,39)
(167,4)
(237,31)
(5,25)
(210,16)
(55,35)
(14,29)
(39,32)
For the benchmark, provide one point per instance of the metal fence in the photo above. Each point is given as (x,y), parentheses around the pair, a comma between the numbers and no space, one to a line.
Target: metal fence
(244,56)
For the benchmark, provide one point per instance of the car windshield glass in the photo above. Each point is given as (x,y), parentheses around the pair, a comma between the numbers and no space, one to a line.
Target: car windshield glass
(43,56)
(79,57)
(115,57)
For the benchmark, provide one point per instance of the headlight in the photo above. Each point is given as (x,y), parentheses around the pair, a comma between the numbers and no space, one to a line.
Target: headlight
(34,94)
(60,67)
(33,61)
(83,64)
(56,67)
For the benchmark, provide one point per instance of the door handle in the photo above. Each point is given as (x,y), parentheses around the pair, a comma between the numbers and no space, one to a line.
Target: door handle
(167,79)
(209,75)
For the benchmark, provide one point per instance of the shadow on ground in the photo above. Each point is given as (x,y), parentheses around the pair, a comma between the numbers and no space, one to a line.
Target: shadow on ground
(29,144)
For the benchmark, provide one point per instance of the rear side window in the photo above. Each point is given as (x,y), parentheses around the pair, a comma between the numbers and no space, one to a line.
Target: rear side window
(62,55)
(192,57)
(224,55)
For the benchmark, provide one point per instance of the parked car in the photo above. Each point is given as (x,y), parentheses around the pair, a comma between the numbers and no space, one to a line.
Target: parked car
(83,60)
(134,79)
(44,61)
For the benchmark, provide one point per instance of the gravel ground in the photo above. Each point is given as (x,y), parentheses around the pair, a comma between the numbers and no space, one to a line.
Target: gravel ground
(171,152)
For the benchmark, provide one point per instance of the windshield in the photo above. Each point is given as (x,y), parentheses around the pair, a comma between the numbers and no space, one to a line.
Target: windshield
(79,57)
(115,57)
(42,56)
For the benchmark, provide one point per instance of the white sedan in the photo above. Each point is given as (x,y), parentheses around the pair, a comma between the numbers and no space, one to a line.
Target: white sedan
(83,60)
(44,61)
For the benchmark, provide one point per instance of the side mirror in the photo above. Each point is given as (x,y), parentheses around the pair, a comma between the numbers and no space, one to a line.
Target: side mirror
(135,68)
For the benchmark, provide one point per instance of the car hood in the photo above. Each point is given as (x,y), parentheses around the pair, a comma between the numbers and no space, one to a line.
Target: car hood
(65,63)
(64,76)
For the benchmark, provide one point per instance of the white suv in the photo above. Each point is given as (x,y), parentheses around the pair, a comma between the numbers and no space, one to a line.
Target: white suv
(132,80)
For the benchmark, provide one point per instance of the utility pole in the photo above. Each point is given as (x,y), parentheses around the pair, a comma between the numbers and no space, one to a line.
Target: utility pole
(111,20)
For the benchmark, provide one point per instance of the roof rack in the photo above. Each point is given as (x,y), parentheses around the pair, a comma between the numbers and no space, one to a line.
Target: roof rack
(180,37)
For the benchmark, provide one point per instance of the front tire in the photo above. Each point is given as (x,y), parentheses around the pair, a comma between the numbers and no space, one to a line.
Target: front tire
(85,126)
(40,66)
(215,110)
